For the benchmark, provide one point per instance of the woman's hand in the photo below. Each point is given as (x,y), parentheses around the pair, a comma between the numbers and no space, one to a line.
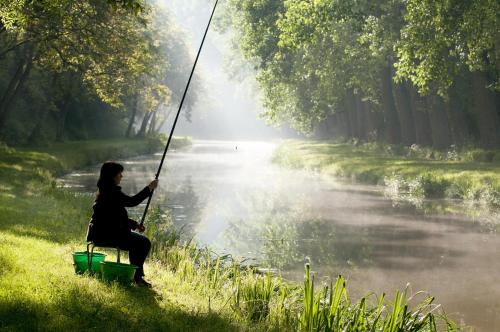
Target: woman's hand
(152,186)
(141,228)
(133,224)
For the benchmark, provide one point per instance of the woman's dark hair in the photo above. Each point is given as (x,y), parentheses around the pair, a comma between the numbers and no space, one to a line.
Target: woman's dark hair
(109,170)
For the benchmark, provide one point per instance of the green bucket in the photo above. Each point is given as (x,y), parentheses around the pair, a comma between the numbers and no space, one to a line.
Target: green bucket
(81,261)
(118,271)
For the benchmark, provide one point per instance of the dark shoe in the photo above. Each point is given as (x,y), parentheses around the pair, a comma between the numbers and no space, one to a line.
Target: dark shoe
(141,282)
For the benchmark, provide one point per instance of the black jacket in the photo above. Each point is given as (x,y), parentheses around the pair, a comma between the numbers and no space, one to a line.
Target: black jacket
(110,222)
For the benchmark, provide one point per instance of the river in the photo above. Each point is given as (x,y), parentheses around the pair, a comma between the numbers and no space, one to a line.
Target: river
(230,195)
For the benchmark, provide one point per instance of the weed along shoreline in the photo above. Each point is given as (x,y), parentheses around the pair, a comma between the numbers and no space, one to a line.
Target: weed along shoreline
(193,288)
(411,173)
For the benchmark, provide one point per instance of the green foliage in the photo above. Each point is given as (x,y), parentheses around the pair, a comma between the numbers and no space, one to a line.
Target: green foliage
(392,71)
(254,296)
(87,69)
(315,52)
(464,34)
(161,231)
(134,5)
(330,310)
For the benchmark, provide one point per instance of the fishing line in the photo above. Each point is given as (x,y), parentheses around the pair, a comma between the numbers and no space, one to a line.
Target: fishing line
(178,112)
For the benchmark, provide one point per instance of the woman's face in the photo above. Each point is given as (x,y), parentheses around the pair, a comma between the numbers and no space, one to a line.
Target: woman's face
(118,178)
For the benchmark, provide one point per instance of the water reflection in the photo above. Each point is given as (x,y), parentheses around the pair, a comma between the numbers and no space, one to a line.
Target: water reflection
(269,234)
(185,204)
(284,234)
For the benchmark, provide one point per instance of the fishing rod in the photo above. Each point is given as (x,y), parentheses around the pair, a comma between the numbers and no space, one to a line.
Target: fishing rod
(178,112)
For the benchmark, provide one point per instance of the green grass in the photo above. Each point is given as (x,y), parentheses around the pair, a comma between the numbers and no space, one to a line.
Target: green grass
(194,289)
(178,142)
(74,154)
(40,227)
(469,174)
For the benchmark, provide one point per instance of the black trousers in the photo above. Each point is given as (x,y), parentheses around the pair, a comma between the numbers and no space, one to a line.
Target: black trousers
(138,247)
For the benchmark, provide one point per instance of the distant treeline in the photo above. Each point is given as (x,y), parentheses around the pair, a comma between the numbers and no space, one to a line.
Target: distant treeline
(423,72)
(87,69)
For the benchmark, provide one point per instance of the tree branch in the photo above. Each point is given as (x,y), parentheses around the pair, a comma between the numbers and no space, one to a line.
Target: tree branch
(13,47)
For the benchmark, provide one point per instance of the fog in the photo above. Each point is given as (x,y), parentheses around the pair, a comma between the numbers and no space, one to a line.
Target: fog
(227,108)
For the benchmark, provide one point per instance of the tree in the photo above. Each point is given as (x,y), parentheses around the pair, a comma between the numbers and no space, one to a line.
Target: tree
(382,69)
(93,49)
(441,40)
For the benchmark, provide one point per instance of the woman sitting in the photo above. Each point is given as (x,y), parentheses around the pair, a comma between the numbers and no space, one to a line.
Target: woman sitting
(110,225)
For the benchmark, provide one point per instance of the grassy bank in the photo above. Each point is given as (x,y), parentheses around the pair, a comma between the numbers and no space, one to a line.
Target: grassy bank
(470,174)
(41,225)
(70,155)
(194,290)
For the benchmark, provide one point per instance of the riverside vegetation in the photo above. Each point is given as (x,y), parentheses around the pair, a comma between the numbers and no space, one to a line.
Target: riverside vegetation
(409,172)
(194,289)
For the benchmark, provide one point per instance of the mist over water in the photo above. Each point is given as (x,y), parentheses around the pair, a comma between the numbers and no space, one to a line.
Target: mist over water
(232,198)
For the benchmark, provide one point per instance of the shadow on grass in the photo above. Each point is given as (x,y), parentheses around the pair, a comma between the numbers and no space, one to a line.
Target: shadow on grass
(130,309)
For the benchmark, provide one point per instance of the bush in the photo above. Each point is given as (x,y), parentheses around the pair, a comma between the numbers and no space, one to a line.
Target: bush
(479,156)
(433,186)
(154,144)
(496,157)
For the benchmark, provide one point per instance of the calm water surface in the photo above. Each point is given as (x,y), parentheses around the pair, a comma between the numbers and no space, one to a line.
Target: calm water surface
(230,196)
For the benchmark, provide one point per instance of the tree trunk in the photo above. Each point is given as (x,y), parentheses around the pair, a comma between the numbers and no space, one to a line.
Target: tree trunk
(458,122)
(348,126)
(320,130)
(392,126)
(402,101)
(371,124)
(145,120)
(163,120)
(376,120)
(15,84)
(34,137)
(350,105)
(423,132)
(132,116)
(36,132)
(485,109)
(441,135)
(69,87)
(152,124)
(331,126)
(61,119)
(341,125)
(361,116)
